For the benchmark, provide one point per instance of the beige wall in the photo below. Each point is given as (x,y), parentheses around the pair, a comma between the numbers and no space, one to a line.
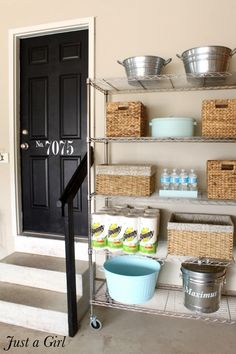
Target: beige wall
(126,28)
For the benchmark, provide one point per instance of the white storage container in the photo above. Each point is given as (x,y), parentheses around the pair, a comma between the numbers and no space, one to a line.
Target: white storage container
(172,127)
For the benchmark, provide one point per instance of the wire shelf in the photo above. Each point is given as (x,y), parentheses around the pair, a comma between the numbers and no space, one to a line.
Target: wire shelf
(170,303)
(162,256)
(194,139)
(167,82)
(156,199)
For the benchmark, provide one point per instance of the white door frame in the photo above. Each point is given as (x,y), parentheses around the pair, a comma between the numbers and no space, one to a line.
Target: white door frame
(22,243)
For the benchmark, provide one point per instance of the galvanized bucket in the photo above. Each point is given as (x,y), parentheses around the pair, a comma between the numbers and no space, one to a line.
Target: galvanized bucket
(209,59)
(142,66)
(202,286)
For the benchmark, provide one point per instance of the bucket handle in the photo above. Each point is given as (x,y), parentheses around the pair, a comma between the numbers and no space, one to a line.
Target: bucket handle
(179,56)
(161,262)
(167,61)
(233,52)
(120,62)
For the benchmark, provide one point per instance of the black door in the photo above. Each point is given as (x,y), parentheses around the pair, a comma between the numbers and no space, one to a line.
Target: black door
(53,108)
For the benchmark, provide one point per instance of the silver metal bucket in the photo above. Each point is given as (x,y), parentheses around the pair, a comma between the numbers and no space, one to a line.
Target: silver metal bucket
(202,286)
(208,59)
(141,66)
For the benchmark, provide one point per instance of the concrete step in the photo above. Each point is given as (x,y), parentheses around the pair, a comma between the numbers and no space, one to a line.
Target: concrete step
(39,271)
(33,292)
(38,309)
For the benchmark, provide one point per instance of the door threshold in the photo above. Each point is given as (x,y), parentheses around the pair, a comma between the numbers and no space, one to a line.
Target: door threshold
(42,235)
(52,236)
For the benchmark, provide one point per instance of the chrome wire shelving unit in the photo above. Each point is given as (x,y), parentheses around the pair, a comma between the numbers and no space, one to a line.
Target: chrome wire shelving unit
(168,300)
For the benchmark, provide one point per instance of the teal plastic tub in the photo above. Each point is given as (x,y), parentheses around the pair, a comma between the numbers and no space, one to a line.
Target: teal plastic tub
(131,279)
(172,127)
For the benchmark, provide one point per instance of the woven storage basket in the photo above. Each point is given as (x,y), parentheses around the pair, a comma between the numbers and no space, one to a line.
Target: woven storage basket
(200,235)
(221,179)
(133,180)
(125,119)
(219,118)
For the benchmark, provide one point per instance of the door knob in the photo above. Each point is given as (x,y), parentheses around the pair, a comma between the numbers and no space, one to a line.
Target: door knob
(25,132)
(24,146)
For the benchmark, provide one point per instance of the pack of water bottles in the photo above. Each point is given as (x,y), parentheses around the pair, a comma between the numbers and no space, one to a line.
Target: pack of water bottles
(179,183)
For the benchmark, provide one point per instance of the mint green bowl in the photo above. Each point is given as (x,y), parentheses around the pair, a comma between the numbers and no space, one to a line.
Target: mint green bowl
(131,279)
(172,127)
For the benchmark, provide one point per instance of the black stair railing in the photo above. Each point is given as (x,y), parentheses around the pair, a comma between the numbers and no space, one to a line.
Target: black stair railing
(66,204)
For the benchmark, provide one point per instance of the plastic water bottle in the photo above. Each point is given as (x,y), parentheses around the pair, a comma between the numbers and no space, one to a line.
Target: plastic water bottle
(165,179)
(183,180)
(192,180)
(174,180)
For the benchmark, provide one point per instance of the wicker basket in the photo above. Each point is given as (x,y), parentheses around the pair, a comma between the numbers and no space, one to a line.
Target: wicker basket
(221,179)
(125,119)
(133,180)
(219,118)
(201,235)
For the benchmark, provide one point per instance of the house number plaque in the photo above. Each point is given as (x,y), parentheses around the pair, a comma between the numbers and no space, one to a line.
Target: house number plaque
(56,147)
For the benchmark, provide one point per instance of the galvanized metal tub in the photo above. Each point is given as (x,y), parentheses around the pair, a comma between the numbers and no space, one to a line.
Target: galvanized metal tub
(142,66)
(209,59)
(202,286)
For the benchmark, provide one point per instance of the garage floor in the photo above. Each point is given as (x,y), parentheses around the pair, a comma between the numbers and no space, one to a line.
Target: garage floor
(126,332)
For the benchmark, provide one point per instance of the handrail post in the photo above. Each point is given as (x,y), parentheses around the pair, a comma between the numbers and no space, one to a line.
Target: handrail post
(65,202)
(70,269)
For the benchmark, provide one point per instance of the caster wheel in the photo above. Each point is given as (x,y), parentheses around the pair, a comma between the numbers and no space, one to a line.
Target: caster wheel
(96,325)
